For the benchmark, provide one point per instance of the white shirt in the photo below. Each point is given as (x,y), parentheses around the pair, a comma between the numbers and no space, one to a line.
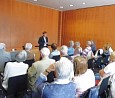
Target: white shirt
(54,53)
(13,69)
(85,81)
(110,68)
(45,41)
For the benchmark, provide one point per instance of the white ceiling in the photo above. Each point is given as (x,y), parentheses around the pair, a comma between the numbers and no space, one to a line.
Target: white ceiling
(77,4)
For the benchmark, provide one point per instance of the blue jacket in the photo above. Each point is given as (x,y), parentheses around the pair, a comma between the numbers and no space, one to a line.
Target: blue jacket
(53,90)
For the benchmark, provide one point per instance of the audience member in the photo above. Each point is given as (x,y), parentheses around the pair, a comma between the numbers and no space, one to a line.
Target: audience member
(64,52)
(39,66)
(107,50)
(30,55)
(71,48)
(108,71)
(87,52)
(78,49)
(84,77)
(54,52)
(62,87)
(15,68)
(4,56)
(93,47)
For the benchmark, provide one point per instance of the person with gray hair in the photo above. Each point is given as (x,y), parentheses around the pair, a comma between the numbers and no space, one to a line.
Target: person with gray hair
(87,52)
(15,68)
(39,66)
(78,49)
(62,87)
(4,56)
(30,55)
(64,50)
(71,48)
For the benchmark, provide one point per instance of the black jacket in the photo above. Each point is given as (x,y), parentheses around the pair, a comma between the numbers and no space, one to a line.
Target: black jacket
(41,42)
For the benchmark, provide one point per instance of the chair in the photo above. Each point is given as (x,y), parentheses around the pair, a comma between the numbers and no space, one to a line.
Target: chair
(17,86)
(104,88)
(91,93)
(98,62)
(91,63)
(56,58)
(106,59)
(29,62)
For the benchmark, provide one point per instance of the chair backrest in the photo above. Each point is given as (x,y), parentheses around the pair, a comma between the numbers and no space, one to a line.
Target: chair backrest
(17,84)
(104,87)
(29,62)
(91,63)
(56,58)
(91,93)
(106,59)
(98,62)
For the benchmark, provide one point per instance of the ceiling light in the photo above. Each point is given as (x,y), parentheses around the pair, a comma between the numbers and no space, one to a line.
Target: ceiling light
(83,3)
(61,7)
(71,5)
(35,0)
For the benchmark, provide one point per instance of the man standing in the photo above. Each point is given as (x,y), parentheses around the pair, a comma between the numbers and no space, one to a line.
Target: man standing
(43,40)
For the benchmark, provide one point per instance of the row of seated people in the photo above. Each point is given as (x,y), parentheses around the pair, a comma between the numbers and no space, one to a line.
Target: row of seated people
(64,73)
(90,46)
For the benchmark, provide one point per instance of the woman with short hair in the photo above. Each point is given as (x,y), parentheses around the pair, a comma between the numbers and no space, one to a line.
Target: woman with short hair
(15,68)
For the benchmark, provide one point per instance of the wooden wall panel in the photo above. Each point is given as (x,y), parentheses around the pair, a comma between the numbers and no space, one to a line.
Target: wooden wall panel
(90,24)
(23,22)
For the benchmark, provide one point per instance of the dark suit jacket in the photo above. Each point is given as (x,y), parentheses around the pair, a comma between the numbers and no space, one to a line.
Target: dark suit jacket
(41,42)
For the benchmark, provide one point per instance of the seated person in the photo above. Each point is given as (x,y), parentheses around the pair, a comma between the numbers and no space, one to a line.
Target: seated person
(4,56)
(71,48)
(87,52)
(54,52)
(107,50)
(78,49)
(62,87)
(108,71)
(39,66)
(30,55)
(93,47)
(15,68)
(84,78)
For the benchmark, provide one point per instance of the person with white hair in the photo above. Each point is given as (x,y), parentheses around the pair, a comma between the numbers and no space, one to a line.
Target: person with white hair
(62,87)
(39,66)
(15,68)
(4,56)
(71,48)
(30,55)
(64,52)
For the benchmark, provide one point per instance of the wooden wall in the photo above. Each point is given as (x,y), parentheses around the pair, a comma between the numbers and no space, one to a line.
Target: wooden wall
(96,24)
(23,22)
